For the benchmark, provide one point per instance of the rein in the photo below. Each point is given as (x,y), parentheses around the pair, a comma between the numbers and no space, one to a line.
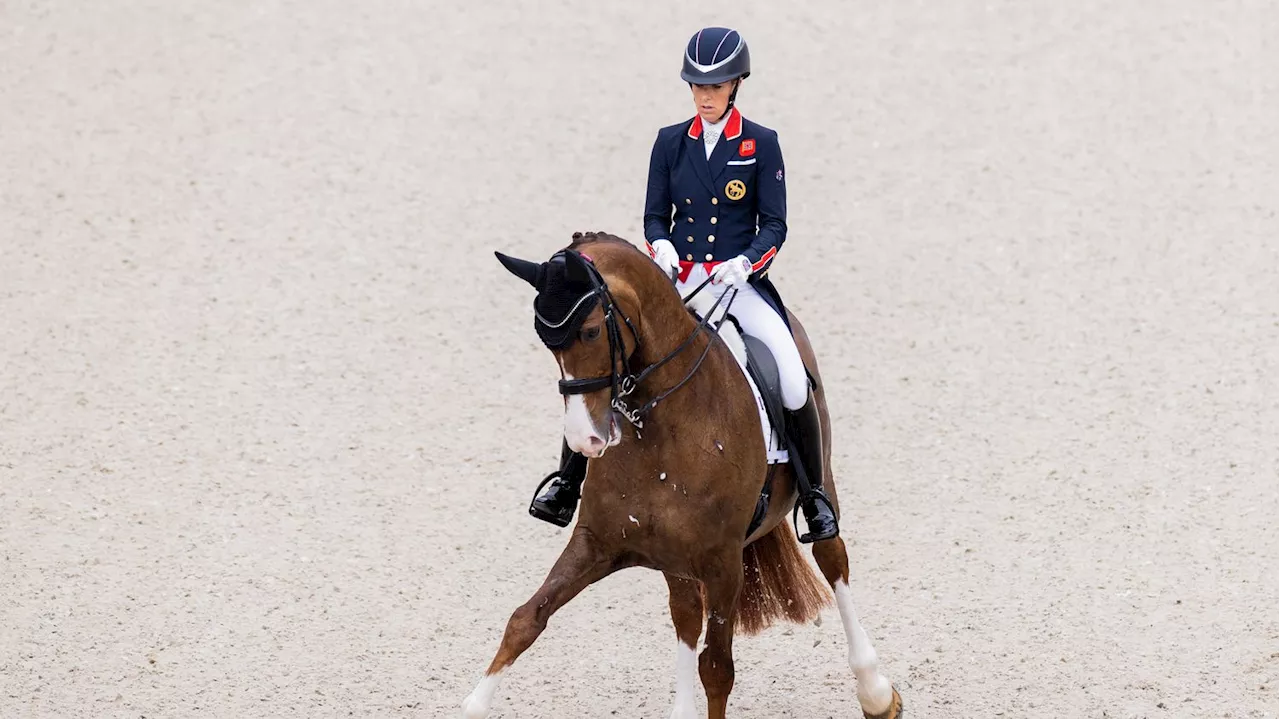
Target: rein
(622,384)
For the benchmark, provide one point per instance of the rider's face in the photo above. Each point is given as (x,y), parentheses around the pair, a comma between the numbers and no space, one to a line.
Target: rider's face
(711,101)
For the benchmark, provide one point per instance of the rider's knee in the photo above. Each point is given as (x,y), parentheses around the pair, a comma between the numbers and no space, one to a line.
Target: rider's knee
(795,388)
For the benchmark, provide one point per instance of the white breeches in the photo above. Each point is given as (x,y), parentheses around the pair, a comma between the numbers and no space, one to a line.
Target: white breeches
(759,320)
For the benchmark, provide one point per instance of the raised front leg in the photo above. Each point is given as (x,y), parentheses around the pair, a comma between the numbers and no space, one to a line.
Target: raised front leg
(877,696)
(686,615)
(580,564)
(722,584)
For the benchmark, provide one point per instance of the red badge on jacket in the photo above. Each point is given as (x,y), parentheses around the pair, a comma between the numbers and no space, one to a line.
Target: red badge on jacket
(747,148)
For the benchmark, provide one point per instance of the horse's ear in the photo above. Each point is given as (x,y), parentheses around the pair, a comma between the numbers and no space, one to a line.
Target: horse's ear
(530,272)
(576,269)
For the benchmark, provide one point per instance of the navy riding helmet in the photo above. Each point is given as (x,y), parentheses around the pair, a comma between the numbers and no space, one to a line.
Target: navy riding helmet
(715,55)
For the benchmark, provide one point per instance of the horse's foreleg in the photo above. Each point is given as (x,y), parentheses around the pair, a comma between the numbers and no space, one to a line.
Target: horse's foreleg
(686,615)
(580,564)
(877,696)
(722,584)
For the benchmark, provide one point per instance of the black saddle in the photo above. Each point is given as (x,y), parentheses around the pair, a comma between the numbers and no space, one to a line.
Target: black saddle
(764,370)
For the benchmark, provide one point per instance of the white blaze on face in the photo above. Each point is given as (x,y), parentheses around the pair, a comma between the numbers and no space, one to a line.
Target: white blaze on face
(579,430)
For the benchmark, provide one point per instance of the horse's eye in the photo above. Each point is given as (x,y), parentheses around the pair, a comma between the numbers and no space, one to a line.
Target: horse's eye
(590,333)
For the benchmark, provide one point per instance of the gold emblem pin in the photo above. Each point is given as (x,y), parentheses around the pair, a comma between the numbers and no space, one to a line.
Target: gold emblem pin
(735,190)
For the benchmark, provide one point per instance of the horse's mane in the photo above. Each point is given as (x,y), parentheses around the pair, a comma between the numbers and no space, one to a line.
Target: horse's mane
(582,238)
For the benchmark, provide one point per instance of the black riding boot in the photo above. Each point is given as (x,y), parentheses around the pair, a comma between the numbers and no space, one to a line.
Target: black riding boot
(805,429)
(560,501)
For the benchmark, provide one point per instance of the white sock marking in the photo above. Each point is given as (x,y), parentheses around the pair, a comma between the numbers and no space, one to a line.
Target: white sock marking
(686,676)
(874,691)
(477,704)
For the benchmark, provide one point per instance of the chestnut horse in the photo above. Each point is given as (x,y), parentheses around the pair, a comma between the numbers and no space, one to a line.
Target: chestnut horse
(679,495)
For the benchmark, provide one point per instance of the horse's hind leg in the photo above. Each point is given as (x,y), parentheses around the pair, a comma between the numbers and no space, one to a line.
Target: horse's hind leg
(686,615)
(580,564)
(877,696)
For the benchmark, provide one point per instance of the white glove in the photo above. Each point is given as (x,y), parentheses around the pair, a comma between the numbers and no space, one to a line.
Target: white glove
(664,255)
(732,272)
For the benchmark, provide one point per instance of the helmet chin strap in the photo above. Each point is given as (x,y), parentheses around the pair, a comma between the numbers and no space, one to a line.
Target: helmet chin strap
(737,83)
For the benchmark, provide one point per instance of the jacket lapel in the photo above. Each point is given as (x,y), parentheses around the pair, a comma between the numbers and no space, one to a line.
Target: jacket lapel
(697,154)
(725,150)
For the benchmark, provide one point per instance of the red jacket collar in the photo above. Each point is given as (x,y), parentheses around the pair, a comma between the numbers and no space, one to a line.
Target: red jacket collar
(732,129)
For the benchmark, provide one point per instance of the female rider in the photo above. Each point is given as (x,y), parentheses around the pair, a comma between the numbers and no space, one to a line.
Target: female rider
(722,178)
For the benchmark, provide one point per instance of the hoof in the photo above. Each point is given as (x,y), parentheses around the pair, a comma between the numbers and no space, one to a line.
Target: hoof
(893,712)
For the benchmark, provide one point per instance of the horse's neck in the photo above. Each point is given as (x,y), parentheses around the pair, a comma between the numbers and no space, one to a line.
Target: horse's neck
(666,327)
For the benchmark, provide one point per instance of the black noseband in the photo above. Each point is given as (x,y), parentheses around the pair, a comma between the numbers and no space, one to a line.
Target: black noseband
(585,386)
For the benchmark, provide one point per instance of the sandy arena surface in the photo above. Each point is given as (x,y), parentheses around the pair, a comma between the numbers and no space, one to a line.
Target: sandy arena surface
(270,413)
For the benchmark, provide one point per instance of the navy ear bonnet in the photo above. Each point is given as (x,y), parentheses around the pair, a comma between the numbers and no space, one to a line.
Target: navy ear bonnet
(567,292)
(568,286)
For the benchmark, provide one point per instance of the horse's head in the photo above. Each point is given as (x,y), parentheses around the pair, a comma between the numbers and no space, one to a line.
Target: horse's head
(587,323)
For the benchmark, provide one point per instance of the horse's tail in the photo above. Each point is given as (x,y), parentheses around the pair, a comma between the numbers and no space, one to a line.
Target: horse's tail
(778,583)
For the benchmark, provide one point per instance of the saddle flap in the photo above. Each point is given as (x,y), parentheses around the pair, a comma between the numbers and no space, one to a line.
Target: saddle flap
(764,370)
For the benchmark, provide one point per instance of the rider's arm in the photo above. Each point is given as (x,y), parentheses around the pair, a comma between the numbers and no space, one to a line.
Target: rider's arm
(772,210)
(657,199)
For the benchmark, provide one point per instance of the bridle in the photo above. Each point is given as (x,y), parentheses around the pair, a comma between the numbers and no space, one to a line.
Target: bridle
(621,380)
